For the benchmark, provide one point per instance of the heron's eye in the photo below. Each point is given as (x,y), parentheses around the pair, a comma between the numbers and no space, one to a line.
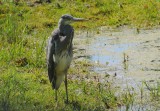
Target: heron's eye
(69,19)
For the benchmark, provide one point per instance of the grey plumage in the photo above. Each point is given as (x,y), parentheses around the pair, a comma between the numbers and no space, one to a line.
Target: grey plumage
(59,51)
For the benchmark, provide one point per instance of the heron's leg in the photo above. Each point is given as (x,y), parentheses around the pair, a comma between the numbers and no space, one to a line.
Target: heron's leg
(55,94)
(66,87)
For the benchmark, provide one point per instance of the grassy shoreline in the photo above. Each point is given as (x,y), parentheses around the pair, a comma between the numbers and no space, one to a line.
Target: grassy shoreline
(102,13)
(24,29)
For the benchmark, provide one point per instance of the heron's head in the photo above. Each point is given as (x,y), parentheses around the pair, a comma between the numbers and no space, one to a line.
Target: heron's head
(68,19)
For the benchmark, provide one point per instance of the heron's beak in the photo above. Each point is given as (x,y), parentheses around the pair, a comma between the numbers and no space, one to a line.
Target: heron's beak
(79,19)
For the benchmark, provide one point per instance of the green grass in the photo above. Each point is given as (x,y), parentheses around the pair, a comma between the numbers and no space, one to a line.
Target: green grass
(22,90)
(24,29)
(154,90)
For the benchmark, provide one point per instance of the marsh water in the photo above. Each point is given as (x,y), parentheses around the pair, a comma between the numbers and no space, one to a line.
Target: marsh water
(129,55)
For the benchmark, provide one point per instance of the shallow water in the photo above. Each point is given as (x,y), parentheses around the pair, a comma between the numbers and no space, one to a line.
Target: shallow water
(128,56)
(114,52)
(127,53)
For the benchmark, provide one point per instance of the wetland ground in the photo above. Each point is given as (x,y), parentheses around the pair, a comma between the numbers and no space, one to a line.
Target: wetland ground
(116,55)
(129,58)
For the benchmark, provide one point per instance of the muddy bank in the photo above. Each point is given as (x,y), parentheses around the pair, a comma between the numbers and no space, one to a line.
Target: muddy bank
(122,52)
(126,57)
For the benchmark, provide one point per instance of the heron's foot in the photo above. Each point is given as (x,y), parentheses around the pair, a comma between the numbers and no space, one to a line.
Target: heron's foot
(66,101)
(56,99)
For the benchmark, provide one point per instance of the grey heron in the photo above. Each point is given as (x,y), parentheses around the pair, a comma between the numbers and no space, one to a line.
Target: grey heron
(59,52)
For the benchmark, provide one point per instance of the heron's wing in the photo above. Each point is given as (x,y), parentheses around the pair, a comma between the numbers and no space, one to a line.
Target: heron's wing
(50,62)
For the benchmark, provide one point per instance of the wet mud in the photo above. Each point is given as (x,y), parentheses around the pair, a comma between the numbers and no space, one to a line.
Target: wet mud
(127,56)
(123,52)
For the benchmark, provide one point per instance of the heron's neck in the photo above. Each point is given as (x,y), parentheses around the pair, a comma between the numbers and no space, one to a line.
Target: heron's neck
(62,24)
(63,28)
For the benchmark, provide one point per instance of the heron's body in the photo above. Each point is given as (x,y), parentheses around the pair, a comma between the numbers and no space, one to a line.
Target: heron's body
(59,52)
(61,58)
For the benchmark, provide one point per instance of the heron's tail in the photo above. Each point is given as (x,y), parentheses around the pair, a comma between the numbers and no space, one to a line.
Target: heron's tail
(57,82)
(53,84)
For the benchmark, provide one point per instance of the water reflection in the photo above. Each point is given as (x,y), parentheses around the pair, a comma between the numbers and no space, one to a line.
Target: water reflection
(109,51)
(108,60)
